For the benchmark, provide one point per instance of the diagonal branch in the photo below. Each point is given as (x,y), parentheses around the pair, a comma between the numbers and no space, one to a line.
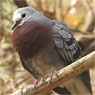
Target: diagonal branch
(64,74)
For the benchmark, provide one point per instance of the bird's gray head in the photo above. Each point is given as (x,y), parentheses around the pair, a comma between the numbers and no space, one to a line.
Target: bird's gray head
(24,14)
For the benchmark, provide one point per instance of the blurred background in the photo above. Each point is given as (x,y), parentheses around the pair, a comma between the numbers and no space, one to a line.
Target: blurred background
(79,16)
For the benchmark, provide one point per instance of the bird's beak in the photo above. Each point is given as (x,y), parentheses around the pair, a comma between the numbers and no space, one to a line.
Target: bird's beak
(15,24)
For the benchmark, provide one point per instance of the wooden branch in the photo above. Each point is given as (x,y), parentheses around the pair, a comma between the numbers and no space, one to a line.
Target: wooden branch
(20,3)
(90,18)
(92,78)
(90,48)
(64,74)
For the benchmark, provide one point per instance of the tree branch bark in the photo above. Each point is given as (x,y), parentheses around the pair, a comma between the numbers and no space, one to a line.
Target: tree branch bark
(92,78)
(64,74)
(20,3)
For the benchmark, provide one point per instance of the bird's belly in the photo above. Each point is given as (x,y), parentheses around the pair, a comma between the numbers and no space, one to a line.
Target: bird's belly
(46,63)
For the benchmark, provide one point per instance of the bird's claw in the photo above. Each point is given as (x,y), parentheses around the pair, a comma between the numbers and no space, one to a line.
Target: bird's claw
(51,75)
(45,77)
(35,83)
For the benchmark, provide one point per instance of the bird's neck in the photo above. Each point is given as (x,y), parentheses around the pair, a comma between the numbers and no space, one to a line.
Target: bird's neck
(31,38)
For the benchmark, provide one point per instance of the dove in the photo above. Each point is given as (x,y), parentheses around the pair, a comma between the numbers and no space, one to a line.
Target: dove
(46,45)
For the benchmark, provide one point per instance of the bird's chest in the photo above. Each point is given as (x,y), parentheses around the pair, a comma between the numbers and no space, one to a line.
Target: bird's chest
(45,63)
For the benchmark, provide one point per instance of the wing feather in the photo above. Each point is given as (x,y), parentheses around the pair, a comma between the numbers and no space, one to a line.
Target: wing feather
(65,43)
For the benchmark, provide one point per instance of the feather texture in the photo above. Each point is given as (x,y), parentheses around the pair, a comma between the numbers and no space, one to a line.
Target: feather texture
(46,45)
(65,43)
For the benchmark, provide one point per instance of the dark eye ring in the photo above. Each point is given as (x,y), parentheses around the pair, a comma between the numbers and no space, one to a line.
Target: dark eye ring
(23,15)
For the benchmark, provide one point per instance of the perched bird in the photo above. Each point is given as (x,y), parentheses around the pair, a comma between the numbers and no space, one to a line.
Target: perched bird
(45,45)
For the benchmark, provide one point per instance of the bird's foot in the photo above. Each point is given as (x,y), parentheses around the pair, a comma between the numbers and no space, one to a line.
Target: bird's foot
(44,78)
(51,75)
(35,83)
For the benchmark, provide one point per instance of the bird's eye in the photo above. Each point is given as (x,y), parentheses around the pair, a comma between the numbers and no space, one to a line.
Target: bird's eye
(23,15)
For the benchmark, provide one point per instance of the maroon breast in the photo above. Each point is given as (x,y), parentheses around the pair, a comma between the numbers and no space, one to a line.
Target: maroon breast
(31,38)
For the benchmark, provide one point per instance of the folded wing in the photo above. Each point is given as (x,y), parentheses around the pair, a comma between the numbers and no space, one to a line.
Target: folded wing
(65,43)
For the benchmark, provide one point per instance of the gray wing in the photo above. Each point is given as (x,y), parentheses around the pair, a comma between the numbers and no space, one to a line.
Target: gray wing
(65,43)
(67,47)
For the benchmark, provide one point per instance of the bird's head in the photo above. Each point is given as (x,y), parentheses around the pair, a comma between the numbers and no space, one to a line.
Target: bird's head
(23,14)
